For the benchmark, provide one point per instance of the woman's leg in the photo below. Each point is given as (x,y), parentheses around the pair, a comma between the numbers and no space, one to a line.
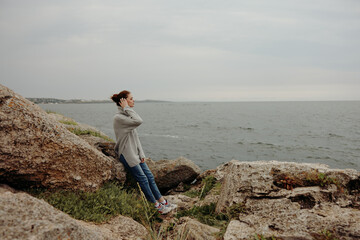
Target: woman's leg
(154,189)
(141,178)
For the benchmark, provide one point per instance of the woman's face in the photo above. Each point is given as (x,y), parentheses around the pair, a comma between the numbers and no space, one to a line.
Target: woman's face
(130,100)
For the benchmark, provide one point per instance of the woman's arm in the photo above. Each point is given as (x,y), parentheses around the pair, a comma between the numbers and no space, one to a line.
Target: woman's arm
(127,122)
(133,120)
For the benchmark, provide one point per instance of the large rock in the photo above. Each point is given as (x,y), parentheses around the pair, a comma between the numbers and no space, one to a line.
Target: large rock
(192,229)
(26,217)
(170,173)
(36,150)
(281,199)
(100,141)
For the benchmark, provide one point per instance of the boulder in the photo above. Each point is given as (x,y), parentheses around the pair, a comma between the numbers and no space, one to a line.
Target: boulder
(183,202)
(170,173)
(192,229)
(289,200)
(36,150)
(101,142)
(26,217)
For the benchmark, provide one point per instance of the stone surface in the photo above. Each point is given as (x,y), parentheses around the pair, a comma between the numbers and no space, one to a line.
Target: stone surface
(26,217)
(238,230)
(183,202)
(36,150)
(275,210)
(194,230)
(170,173)
(121,227)
(102,144)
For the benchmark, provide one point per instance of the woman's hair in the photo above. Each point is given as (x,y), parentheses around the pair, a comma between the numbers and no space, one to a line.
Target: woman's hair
(116,97)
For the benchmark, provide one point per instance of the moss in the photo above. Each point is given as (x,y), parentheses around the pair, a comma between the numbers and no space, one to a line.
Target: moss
(79,132)
(68,122)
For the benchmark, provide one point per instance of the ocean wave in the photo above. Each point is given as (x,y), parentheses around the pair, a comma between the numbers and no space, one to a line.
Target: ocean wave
(335,135)
(232,128)
(159,135)
(320,157)
(192,126)
(246,128)
(263,143)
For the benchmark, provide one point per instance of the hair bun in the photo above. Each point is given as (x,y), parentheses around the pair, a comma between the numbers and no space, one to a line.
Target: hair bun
(116,97)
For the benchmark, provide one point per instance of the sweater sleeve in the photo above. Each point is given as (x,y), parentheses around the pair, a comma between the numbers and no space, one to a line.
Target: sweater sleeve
(132,121)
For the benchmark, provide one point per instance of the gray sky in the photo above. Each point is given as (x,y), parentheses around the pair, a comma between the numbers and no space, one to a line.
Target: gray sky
(184,50)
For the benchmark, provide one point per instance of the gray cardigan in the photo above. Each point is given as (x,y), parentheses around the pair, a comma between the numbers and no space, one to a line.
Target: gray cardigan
(127,140)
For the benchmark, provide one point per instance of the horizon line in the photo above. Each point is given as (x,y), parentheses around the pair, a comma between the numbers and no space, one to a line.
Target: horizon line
(199,101)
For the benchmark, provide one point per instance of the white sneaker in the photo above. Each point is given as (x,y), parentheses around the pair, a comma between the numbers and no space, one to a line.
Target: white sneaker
(162,209)
(171,206)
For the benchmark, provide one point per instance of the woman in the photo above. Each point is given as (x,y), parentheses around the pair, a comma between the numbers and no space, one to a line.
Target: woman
(129,150)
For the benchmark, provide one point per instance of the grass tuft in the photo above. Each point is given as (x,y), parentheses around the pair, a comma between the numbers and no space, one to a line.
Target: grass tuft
(207,184)
(261,237)
(205,214)
(50,111)
(79,132)
(109,201)
(69,122)
(325,235)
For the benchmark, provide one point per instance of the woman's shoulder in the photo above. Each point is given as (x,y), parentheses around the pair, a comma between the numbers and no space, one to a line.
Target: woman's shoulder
(119,116)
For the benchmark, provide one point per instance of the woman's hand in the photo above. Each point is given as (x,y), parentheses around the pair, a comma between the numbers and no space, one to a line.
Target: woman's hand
(123,103)
(142,160)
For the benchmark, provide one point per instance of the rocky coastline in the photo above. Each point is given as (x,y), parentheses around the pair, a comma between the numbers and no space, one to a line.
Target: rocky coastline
(237,200)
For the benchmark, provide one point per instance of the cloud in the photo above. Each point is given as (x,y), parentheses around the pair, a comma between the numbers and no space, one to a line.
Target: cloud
(182,50)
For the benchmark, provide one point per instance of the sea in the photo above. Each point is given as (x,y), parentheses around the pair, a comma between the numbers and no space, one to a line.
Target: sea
(213,133)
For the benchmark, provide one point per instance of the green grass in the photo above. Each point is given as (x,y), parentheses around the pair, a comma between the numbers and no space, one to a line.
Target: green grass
(109,201)
(207,184)
(68,122)
(50,111)
(79,132)
(205,214)
(261,237)
(325,235)
(192,193)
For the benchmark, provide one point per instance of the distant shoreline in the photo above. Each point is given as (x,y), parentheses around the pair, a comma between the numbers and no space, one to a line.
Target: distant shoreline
(80,101)
(62,101)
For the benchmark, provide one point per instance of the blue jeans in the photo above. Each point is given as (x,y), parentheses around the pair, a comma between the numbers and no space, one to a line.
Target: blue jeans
(145,178)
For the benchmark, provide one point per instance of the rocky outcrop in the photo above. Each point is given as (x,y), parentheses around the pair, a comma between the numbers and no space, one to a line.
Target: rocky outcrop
(36,150)
(26,217)
(98,140)
(289,200)
(170,173)
(280,199)
(192,229)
